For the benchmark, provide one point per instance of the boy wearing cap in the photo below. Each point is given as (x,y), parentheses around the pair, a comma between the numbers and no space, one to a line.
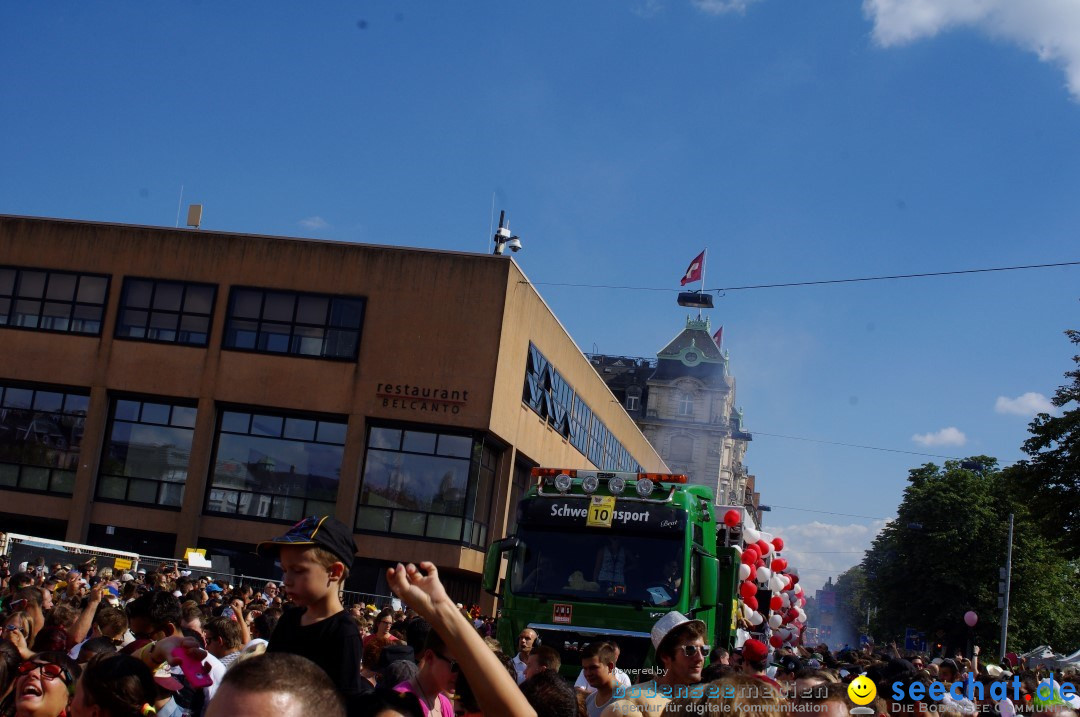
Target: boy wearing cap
(315,556)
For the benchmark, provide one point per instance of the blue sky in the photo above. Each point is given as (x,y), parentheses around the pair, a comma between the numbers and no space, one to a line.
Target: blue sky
(796,140)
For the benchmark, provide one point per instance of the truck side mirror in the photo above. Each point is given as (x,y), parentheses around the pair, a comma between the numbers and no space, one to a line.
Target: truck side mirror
(709,579)
(492,563)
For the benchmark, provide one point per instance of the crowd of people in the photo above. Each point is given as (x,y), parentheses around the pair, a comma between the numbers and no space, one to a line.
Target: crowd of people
(79,640)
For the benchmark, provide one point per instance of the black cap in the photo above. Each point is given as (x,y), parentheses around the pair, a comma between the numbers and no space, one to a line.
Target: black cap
(324,531)
(791,664)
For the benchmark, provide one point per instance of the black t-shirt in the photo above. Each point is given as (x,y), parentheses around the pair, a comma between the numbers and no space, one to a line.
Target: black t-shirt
(333,644)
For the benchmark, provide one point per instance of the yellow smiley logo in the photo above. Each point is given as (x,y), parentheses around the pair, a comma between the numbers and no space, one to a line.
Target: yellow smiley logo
(861,690)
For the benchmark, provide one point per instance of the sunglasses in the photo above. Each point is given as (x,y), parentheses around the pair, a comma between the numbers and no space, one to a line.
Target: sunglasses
(454,667)
(691,650)
(50,671)
(16,628)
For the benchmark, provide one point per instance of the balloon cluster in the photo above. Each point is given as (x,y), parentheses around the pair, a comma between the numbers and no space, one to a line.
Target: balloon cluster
(762,568)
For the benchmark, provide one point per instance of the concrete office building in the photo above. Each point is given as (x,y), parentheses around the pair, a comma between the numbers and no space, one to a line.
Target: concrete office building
(164,388)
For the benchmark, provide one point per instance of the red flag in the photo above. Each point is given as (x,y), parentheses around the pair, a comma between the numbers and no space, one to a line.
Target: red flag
(718,337)
(694,271)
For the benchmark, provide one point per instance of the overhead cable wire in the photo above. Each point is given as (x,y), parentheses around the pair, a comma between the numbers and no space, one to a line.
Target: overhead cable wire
(888,277)
(827,512)
(854,445)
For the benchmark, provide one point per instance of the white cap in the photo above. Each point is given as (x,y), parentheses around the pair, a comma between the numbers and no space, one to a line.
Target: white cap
(126,578)
(668,623)
(185,573)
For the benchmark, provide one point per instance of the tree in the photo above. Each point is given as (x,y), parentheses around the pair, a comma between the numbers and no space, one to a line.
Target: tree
(1052,476)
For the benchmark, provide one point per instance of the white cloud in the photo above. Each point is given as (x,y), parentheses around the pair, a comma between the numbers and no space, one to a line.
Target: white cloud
(720,7)
(950,436)
(647,8)
(314,223)
(1048,28)
(1026,405)
(817,551)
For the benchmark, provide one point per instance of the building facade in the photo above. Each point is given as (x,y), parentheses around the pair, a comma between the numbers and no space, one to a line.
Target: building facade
(162,389)
(684,403)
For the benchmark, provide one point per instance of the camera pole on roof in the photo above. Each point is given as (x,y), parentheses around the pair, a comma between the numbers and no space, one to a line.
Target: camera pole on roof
(503,238)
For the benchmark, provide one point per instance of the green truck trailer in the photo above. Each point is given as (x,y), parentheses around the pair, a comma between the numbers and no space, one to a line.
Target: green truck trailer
(599,555)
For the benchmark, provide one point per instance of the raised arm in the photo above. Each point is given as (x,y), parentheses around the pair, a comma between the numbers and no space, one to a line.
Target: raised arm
(85,622)
(496,692)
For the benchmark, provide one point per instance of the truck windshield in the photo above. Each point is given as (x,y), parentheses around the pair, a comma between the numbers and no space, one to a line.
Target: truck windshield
(598,565)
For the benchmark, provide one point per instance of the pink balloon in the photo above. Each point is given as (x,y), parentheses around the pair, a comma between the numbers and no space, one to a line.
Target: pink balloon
(970,618)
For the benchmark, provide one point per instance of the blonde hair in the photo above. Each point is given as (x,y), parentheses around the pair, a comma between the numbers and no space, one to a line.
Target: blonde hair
(326,559)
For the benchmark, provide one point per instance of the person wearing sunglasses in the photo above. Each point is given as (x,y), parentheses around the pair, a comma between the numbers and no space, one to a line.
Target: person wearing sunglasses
(437,676)
(681,652)
(18,629)
(45,685)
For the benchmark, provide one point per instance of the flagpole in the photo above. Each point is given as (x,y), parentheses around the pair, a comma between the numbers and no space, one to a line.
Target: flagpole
(704,260)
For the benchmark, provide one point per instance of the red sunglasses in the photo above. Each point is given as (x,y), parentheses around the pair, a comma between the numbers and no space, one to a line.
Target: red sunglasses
(50,671)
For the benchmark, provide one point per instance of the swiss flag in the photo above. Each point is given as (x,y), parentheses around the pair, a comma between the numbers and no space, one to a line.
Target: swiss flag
(694,271)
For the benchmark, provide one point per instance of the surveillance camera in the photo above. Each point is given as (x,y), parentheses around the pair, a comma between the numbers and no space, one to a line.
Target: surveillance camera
(514,244)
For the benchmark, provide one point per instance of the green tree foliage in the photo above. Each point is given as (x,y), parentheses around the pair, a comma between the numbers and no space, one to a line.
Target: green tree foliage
(941,556)
(1052,476)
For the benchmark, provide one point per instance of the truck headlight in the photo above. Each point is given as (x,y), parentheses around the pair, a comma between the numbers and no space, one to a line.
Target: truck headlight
(563,483)
(589,484)
(644,487)
(616,485)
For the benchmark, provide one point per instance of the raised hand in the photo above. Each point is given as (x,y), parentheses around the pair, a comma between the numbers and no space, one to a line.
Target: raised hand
(422,592)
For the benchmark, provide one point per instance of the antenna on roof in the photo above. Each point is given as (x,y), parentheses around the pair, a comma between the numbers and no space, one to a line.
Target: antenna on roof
(503,238)
(179,204)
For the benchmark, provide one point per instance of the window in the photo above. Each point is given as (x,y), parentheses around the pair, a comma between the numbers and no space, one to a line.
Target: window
(284,322)
(146,453)
(686,404)
(276,466)
(52,300)
(633,403)
(40,435)
(173,312)
(427,483)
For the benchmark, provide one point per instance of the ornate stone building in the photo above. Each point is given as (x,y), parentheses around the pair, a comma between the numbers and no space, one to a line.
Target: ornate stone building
(684,403)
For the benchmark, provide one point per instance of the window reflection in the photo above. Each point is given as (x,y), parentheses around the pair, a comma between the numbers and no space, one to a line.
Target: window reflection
(52,300)
(274,466)
(40,436)
(425,483)
(146,453)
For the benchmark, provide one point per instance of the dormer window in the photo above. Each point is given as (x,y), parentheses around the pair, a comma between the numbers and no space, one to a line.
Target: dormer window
(686,404)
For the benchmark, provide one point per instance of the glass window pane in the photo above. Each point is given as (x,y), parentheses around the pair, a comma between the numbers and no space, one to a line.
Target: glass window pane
(347,313)
(404,480)
(32,284)
(418,442)
(273,338)
(341,344)
(163,326)
(127,410)
(132,323)
(331,432)
(247,303)
(307,341)
(48,401)
(384,438)
(278,306)
(7,282)
(137,293)
(155,413)
(92,289)
(366,518)
(75,404)
(171,494)
(194,330)
(9,474)
(312,310)
(285,508)
(34,478)
(26,313)
(235,422)
(459,446)
(444,527)
(199,299)
(184,416)
(142,491)
(18,397)
(241,334)
(300,429)
(266,425)
(55,317)
(318,507)
(5,311)
(405,523)
(167,296)
(61,287)
(63,482)
(87,319)
(112,487)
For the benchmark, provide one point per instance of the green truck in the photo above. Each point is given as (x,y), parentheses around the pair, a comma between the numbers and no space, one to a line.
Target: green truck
(602,555)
